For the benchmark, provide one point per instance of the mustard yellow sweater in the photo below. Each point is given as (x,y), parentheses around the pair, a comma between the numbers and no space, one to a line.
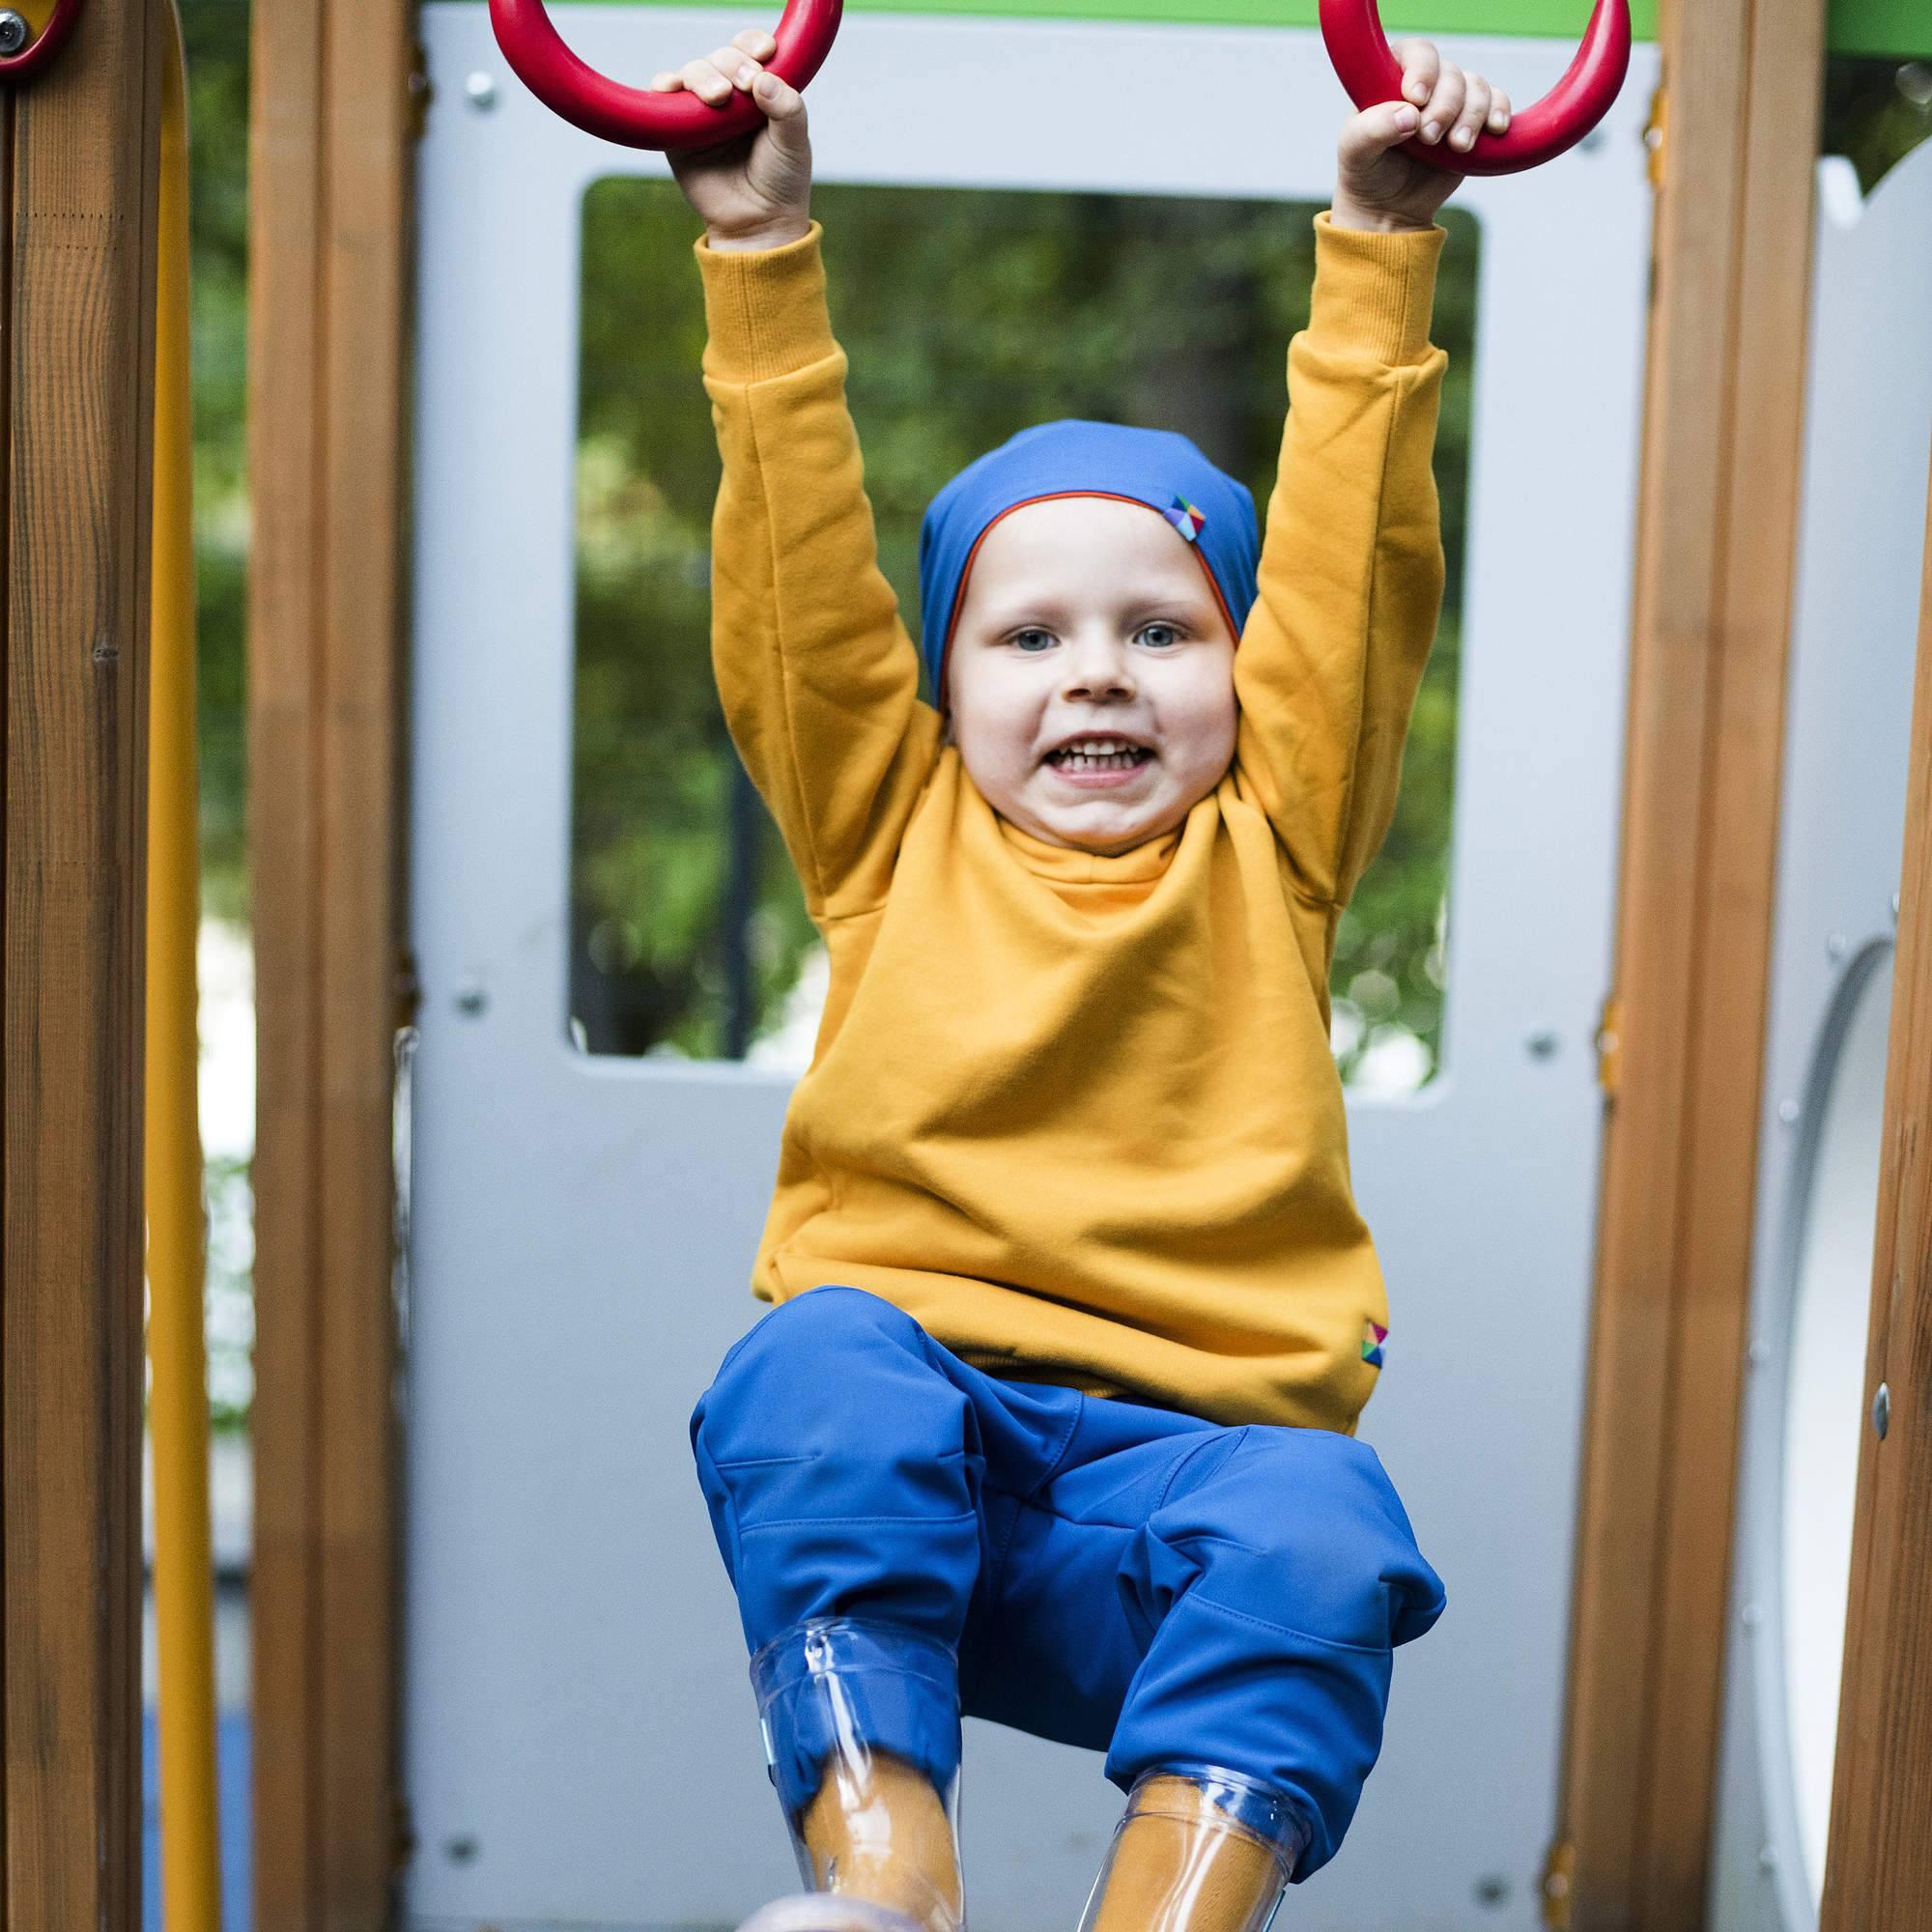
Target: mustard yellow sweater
(1077,1115)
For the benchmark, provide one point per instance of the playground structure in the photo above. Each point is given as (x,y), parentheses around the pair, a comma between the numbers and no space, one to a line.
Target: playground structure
(1711,1020)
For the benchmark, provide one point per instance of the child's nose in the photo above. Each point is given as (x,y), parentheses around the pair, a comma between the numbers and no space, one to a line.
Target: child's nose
(1098,664)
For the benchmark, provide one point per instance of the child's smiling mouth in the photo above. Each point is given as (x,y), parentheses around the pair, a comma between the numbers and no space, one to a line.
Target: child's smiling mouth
(1097,762)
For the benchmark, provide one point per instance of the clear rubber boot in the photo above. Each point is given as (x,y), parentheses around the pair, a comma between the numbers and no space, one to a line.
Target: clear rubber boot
(878,1841)
(1202,1850)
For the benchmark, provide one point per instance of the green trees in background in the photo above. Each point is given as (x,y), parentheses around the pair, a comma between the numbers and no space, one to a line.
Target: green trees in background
(217,63)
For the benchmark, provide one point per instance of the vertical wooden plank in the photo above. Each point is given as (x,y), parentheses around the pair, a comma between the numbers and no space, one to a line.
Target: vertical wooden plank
(332,158)
(1879,1866)
(1717,526)
(370,154)
(81,178)
(283,438)
(1750,638)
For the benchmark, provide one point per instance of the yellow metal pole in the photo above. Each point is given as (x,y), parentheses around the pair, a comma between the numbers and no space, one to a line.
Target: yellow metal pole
(183,1565)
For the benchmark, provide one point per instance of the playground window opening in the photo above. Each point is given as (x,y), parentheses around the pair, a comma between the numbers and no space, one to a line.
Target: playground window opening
(967,314)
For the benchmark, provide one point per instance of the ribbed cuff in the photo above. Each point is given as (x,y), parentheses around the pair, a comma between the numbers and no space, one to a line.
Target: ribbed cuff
(1374,293)
(764,309)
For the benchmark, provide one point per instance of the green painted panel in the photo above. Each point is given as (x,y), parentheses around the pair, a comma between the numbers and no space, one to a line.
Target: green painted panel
(1561,18)
(1881,27)
(1858,26)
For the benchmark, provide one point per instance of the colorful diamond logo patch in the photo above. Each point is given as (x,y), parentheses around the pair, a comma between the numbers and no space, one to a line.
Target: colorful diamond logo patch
(1186,517)
(1373,1335)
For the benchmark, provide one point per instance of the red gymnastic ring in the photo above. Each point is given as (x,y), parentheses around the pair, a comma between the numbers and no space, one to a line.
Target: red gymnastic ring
(43,47)
(1371,74)
(641,116)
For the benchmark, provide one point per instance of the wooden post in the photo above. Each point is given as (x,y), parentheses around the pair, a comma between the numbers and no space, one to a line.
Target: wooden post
(78,168)
(331,154)
(1879,1867)
(1717,525)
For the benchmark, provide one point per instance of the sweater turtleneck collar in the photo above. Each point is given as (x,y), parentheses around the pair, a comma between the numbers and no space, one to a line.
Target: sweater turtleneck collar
(1068,865)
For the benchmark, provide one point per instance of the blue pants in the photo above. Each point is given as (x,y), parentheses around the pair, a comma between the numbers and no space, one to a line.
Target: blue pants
(1168,1590)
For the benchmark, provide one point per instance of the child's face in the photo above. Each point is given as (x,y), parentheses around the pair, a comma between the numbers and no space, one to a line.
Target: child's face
(1087,617)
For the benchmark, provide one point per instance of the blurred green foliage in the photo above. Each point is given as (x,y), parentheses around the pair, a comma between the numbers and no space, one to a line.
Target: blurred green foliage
(1876,112)
(217,59)
(967,314)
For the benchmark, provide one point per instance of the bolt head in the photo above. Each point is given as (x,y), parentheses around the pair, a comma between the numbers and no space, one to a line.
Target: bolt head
(14,33)
(1881,1410)
(481,90)
(1788,1112)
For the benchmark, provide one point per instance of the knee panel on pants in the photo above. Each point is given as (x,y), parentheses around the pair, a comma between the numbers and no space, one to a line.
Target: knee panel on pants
(1299,1528)
(841,1469)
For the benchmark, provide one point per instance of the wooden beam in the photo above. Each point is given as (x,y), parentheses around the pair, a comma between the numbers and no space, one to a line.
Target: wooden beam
(332,152)
(1717,525)
(78,178)
(1879,1867)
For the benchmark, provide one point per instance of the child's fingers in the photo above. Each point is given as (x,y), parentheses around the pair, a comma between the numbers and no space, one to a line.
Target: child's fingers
(1474,116)
(1445,103)
(781,101)
(726,62)
(1421,65)
(703,79)
(1375,130)
(1501,111)
(754,44)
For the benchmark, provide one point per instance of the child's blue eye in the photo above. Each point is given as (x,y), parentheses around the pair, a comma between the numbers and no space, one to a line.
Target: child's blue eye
(1167,635)
(1022,639)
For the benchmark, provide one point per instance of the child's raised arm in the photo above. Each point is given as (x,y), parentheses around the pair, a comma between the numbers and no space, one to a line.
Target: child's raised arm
(1351,575)
(818,675)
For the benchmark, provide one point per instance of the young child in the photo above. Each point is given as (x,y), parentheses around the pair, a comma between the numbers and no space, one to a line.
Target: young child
(1053,1422)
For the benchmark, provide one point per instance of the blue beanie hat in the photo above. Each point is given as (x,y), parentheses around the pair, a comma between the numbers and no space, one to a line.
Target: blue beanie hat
(1155,467)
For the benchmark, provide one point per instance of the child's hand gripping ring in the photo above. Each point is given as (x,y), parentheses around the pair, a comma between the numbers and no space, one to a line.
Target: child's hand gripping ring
(641,117)
(1371,74)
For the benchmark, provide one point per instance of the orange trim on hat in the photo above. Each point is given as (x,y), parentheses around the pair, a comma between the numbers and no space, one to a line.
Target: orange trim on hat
(1048,496)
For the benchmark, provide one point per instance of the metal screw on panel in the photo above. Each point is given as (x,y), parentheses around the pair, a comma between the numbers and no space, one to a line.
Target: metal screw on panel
(1492,1891)
(461,1851)
(1788,1112)
(1751,1616)
(472,1002)
(1767,1857)
(14,33)
(1836,946)
(1542,1045)
(481,90)
(1758,1353)
(1881,1410)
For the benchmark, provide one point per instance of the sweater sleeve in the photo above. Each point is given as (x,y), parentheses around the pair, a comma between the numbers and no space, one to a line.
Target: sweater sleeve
(1351,576)
(818,675)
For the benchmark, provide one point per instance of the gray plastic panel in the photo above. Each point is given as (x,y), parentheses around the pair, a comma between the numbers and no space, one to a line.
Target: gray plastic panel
(581,1747)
